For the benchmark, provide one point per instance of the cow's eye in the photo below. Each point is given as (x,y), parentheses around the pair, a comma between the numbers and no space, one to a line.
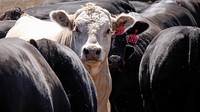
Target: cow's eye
(77,30)
(108,31)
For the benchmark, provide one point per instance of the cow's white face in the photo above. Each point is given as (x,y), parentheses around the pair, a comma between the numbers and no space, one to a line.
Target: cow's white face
(91,36)
(92,28)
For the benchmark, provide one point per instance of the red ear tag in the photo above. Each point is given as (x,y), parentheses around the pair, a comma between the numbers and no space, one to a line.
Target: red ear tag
(119,30)
(132,38)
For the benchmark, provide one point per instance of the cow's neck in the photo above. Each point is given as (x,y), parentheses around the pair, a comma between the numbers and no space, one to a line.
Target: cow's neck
(102,79)
(100,68)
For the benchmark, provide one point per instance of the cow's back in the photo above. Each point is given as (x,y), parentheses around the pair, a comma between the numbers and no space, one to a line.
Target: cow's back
(28,84)
(71,72)
(169,71)
(28,27)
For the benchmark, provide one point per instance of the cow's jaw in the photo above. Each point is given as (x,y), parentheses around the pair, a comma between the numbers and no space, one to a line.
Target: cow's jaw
(93,68)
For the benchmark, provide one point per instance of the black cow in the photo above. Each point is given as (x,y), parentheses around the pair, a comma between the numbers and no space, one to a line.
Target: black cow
(124,96)
(72,74)
(125,55)
(48,2)
(147,1)
(113,6)
(139,6)
(169,71)
(193,6)
(168,14)
(27,82)
(5,26)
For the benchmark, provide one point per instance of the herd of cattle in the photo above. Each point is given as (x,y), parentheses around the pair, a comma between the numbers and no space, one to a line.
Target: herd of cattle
(101,56)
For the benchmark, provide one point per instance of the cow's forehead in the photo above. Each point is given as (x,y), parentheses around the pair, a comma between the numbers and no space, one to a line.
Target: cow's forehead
(92,15)
(99,19)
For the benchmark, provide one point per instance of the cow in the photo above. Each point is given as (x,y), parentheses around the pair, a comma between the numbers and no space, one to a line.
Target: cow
(87,32)
(193,6)
(27,82)
(75,79)
(115,7)
(169,71)
(11,14)
(139,5)
(49,2)
(5,26)
(124,96)
(147,1)
(127,50)
(165,17)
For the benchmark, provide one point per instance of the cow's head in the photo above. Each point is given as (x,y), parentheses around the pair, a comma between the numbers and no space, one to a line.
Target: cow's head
(92,28)
(123,46)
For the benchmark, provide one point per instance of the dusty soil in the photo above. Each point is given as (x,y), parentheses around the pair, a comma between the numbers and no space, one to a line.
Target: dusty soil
(23,4)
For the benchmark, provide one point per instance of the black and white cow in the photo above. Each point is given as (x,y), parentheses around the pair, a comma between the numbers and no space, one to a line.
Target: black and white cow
(75,79)
(169,71)
(27,82)
(127,50)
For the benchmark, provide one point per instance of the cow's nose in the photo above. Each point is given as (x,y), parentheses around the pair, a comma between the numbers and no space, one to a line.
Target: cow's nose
(114,61)
(92,53)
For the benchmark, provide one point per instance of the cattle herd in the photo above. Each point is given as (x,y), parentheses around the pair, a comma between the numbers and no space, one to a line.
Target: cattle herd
(101,56)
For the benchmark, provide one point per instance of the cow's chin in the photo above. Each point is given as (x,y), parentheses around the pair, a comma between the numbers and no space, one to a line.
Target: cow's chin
(91,62)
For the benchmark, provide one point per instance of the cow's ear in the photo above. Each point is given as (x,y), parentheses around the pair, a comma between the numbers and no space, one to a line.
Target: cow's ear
(140,26)
(62,18)
(122,23)
(34,43)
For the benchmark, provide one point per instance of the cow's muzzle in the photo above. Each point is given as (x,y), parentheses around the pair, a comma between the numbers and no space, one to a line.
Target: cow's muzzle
(114,61)
(92,53)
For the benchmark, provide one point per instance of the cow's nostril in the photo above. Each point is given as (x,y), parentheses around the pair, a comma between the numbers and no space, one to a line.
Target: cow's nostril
(98,52)
(86,51)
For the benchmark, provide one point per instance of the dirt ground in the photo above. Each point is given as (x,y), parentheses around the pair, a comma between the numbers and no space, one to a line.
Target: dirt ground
(23,4)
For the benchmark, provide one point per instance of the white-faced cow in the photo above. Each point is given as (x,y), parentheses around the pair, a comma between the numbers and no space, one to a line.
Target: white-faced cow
(88,32)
